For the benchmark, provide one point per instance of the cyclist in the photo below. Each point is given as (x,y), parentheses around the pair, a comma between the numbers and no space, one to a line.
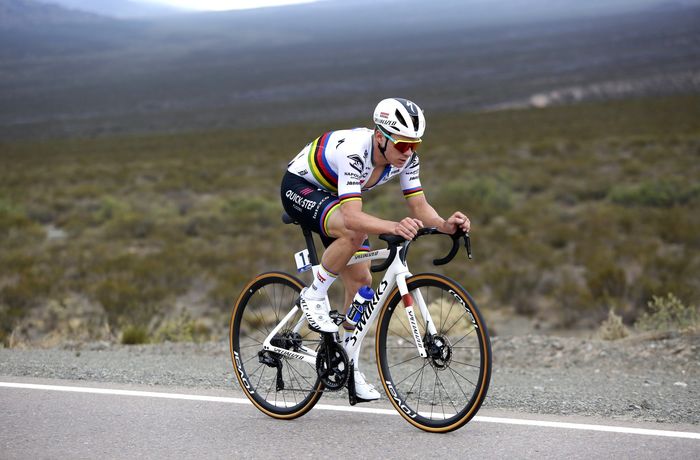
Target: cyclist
(322,190)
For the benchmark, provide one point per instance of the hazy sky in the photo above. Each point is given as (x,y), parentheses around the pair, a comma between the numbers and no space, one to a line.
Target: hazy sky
(221,5)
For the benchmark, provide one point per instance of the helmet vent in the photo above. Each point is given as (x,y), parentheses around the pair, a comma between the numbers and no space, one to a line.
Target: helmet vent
(414,119)
(401,119)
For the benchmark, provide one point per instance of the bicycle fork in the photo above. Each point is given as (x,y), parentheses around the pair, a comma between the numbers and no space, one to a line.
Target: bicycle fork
(409,299)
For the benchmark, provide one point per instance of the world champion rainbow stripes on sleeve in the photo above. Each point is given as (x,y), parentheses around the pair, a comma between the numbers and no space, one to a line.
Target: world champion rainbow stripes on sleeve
(411,192)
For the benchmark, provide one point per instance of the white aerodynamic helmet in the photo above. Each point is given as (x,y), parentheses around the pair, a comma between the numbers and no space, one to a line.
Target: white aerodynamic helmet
(400,116)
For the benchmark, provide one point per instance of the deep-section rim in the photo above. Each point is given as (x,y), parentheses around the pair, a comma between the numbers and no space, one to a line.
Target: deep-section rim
(268,409)
(486,358)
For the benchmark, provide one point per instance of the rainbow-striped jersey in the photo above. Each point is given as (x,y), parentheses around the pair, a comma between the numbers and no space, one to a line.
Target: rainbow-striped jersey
(341,162)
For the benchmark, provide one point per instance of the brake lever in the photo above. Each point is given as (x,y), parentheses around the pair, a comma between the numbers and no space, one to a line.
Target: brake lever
(468,245)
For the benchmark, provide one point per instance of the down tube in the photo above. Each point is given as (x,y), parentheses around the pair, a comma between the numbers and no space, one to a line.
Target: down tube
(369,315)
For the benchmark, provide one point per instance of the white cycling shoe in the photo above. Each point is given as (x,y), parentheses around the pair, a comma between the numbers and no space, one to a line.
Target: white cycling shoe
(364,390)
(316,312)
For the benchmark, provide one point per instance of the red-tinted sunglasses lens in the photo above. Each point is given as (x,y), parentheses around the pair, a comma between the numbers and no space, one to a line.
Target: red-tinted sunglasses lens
(404,147)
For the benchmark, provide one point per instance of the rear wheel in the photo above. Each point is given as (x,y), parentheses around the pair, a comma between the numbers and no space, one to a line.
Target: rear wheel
(443,391)
(261,306)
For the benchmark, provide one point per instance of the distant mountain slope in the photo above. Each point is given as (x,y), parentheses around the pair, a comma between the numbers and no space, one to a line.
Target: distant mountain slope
(117,8)
(21,13)
(326,60)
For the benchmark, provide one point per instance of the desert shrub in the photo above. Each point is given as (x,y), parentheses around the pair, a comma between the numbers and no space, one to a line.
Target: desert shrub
(513,285)
(679,225)
(134,335)
(132,288)
(253,210)
(570,292)
(482,197)
(15,226)
(130,225)
(668,313)
(122,301)
(606,279)
(109,207)
(663,193)
(612,328)
(182,329)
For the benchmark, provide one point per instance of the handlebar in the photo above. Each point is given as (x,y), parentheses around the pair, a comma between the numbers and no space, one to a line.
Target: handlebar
(394,241)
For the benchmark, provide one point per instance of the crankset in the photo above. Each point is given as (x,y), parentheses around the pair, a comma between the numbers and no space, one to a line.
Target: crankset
(332,364)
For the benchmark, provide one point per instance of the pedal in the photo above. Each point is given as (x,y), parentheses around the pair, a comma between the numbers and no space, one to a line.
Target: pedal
(337,317)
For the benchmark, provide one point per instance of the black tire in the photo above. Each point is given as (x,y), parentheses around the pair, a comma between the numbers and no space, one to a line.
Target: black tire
(260,307)
(443,392)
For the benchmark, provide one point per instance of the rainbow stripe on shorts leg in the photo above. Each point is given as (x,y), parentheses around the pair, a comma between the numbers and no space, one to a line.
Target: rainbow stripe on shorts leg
(330,209)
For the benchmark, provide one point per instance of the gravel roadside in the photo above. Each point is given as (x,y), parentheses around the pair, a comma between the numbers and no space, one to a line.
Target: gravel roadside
(642,379)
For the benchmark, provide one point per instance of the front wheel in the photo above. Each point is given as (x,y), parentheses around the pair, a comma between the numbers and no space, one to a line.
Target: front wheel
(281,387)
(443,391)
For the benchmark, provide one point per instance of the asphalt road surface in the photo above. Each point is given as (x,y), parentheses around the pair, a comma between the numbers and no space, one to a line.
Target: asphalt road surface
(94,420)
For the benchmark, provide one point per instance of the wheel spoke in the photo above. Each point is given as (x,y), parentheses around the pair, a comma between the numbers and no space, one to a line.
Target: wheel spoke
(451,390)
(261,309)
(405,361)
(466,364)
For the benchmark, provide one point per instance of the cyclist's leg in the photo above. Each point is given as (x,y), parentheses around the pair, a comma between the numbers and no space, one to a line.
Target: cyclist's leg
(354,277)
(345,245)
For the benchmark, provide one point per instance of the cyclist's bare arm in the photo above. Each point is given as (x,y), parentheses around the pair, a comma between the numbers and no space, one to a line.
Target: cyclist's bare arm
(422,210)
(357,220)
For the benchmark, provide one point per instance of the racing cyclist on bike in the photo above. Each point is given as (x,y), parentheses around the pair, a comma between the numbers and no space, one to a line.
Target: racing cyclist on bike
(322,190)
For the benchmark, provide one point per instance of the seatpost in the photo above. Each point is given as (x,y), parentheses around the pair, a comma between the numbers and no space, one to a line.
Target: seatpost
(311,246)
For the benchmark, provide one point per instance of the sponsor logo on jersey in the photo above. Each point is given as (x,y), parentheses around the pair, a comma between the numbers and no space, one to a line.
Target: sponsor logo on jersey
(302,172)
(415,162)
(340,142)
(356,163)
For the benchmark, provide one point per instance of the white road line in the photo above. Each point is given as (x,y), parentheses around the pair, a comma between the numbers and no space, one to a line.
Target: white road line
(365,410)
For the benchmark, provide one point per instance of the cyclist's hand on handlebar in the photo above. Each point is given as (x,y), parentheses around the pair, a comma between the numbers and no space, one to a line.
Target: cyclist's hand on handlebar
(456,221)
(407,228)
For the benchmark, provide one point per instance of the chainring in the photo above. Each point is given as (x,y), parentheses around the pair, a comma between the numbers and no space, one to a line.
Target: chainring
(334,375)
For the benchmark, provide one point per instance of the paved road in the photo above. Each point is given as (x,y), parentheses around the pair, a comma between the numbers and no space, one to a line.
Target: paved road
(41,423)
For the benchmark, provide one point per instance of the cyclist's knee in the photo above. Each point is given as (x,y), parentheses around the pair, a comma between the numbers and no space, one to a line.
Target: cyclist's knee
(355,279)
(356,238)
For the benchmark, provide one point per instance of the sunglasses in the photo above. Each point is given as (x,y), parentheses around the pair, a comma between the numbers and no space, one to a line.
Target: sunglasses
(403,145)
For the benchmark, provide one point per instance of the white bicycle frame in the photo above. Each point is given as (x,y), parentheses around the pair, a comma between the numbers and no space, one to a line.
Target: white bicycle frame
(395,274)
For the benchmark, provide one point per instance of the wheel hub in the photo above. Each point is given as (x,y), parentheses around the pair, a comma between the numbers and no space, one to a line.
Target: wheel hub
(439,351)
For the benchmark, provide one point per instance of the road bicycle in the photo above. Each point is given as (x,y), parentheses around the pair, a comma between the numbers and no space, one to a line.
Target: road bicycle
(432,347)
